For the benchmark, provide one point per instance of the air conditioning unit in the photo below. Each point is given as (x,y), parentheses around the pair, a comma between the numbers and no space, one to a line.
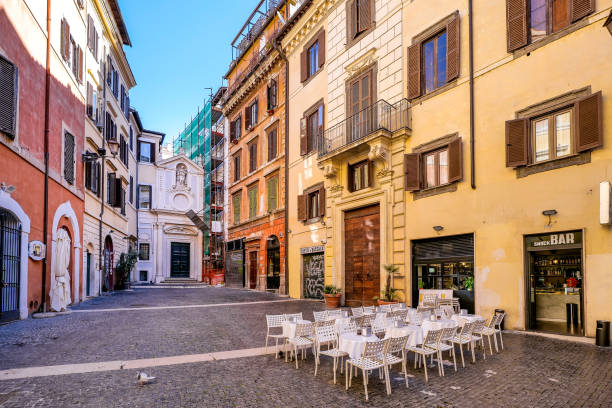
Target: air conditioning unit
(605,198)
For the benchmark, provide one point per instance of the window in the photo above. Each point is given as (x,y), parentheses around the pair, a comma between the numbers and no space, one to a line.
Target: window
(434,164)
(252,156)
(433,57)
(65,40)
(92,37)
(252,193)
(92,102)
(112,78)
(77,61)
(250,115)
(115,196)
(146,152)
(533,20)
(272,144)
(434,62)
(311,129)
(272,93)
(92,177)
(311,204)
(360,106)
(131,190)
(360,18)
(360,175)
(110,127)
(313,56)
(543,135)
(144,197)
(144,252)
(131,139)
(143,276)
(236,204)
(236,128)
(69,146)
(122,99)
(8,101)
(272,187)
(237,166)
(123,150)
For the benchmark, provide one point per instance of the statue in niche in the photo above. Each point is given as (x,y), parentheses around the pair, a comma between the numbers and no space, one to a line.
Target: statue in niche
(181,175)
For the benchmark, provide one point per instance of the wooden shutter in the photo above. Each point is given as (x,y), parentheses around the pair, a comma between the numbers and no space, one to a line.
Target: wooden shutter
(112,197)
(255,117)
(88,175)
(69,157)
(412,172)
(414,71)
(80,65)
(304,65)
(98,179)
(153,147)
(455,161)
(8,97)
(322,201)
(89,100)
(581,8)
(452,49)
(303,137)
(589,122)
(516,24)
(269,95)
(138,196)
(319,139)
(247,117)
(118,193)
(365,15)
(301,208)
(321,41)
(517,132)
(232,131)
(90,32)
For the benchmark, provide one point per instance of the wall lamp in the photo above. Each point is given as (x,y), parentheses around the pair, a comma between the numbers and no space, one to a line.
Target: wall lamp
(438,228)
(549,214)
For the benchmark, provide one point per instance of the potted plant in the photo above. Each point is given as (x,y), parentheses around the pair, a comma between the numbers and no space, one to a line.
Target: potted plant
(468,283)
(332,295)
(124,268)
(389,294)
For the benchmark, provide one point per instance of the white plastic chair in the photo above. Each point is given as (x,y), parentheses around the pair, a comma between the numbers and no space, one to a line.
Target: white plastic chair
(428,348)
(498,329)
(319,316)
(396,345)
(357,311)
(274,322)
(327,335)
(489,330)
(371,359)
(301,340)
(446,344)
(464,337)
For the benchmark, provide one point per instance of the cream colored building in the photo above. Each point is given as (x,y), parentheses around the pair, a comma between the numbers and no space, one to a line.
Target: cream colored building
(109,219)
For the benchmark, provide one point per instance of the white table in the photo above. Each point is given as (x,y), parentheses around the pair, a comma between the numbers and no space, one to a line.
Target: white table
(469,318)
(428,325)
(289,328)
(354,344)
(412,330)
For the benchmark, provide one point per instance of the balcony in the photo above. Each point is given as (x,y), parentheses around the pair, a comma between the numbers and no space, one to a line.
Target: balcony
(378,118)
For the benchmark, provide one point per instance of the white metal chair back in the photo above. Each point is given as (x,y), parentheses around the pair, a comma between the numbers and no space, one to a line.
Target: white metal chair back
(397,344)
(384,308)
(448,311)
(398,306)
(456,305)
(319,316)
(432,338)
(443,302)
(499,320)
(350,327)
(336,313)
(374,349)
(322,323)
(357,311)
(368,309)
(478,326)
(429,300)
(492,322)
(398,315)
(448,333)
(326,334)
(296,316)
(424,309)
(366,320)
(275,320)
(303,329)
(466,330)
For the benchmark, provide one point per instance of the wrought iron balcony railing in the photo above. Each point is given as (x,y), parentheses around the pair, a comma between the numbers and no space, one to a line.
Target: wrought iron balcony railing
(379,116)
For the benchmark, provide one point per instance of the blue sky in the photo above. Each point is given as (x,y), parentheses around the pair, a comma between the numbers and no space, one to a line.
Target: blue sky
(179,47)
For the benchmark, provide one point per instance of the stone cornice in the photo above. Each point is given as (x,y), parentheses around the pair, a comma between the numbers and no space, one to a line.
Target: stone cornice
(301,32)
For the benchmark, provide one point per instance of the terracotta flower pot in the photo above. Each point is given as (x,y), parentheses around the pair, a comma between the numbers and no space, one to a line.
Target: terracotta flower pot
(384,302)
(332,301)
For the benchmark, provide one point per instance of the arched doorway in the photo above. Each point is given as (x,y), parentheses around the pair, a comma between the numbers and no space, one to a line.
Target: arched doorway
(10,260)
(107,282)
(273,257)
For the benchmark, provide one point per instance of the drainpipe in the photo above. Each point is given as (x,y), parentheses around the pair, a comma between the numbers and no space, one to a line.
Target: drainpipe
(102,178)
(43,303)
(286,61)
(471,46)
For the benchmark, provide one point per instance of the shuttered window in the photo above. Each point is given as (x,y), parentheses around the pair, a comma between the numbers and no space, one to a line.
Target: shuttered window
(252,194)
(146,152)
(313,56)
(131,190)
(252,156)
(272,94)
(360,175)
(92,102)
(236,204)
(272,193)
(237,167)
(65,40)
(144,197)
(250,115)
(438,167)
(554,135)
(360,17)
(236,129)
(8,97)
(272,144)
(434,60)
(92,37)
(528,21)
(311,204)
(69,145)
(92,177)
(311,130)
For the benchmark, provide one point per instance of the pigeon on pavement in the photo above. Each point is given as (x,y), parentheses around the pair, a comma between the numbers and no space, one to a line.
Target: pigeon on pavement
(144,378)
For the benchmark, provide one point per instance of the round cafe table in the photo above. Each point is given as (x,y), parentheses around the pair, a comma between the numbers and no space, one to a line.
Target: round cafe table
(463,319)
(354,344)
(428,325)
(412,330)
(289,328)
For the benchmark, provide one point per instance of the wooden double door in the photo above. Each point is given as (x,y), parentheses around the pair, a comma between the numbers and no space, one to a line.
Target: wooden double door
(179,259)
(362,255)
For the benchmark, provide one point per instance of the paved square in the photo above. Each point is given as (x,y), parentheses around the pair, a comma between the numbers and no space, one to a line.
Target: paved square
(530,372)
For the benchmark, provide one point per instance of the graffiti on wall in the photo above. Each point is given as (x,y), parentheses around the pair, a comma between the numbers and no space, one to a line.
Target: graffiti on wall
(314,275)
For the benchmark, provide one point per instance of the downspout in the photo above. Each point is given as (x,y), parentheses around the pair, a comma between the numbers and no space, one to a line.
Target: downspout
(286,61)
(102,178)
(471,46)
(43,303)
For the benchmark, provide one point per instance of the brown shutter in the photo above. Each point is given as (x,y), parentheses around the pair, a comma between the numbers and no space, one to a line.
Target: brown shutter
(365,15)
(516,24)
(112,191)
(455,161)
(452,49)
(118,193)
(414,71)
(232,130)
(67,40)
(319,139)
(301,208)
(80,66)
(153,147)
(412,172)
(581,8)
(247,117)
(304,66)
(303,137)
(321,41)
(90,36)
(89,100)
(516,142)
(322,201)
(589,122)
(353,19)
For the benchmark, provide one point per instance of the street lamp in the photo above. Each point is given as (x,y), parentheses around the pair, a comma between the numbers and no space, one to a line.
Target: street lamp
(113,146)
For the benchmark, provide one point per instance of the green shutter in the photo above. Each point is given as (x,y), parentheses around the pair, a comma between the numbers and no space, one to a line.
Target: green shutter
(272,193)
(253,203)
(236,200)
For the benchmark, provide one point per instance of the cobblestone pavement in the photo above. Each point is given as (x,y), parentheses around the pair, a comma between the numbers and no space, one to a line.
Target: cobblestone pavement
(530,372)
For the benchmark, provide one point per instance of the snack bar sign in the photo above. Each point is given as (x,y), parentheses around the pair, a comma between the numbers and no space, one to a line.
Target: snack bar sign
(572,239)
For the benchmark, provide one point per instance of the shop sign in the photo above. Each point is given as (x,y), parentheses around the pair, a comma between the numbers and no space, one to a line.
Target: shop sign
(560,239)
(312,250)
